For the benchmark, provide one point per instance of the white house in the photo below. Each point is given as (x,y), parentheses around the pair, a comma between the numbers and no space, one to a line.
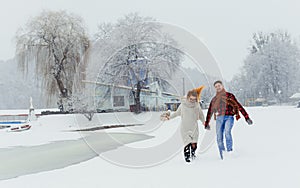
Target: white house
(109,97)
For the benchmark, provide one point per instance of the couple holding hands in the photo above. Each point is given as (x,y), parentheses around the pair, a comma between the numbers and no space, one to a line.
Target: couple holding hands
(224,106)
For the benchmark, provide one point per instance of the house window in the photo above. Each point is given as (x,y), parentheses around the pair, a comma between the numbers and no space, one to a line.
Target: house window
(119,101)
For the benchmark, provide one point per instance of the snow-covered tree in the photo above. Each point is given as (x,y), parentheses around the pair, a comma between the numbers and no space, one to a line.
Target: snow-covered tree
(56,42)
(83,104)
(260,39)
(134,51)
(271,68)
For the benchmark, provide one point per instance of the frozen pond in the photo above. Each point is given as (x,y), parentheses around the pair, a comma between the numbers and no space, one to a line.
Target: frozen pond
(20,161)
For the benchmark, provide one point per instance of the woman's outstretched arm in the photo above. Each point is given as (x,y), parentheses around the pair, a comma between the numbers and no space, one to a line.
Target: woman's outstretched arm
(177,113)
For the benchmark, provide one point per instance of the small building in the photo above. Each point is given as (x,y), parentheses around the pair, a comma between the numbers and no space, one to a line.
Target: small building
(296,97)
(260,102)
(173,104)
(110,98)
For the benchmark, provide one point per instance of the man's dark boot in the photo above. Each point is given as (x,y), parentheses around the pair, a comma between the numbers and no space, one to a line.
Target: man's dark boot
(193,150)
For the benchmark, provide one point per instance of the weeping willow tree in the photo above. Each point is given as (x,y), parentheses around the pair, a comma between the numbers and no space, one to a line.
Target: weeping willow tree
(56,42)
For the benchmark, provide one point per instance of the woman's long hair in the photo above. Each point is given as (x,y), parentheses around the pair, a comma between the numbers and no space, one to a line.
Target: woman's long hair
(192,93)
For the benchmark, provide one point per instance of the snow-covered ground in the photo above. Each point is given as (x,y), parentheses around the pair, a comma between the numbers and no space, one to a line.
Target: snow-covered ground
(47,129)
(266,154)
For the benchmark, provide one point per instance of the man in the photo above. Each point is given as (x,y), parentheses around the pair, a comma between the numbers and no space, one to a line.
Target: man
(224,106)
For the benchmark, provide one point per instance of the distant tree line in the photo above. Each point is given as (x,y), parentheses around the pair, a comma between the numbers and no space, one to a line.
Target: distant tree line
(271,69)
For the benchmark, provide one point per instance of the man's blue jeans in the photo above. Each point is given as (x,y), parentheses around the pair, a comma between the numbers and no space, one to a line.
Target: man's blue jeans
(224,125)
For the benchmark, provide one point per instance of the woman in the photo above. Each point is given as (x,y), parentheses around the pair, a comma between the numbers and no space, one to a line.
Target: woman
(190,112)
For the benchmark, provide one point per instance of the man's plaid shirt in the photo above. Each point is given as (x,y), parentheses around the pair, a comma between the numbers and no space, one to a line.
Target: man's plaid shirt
(224,109)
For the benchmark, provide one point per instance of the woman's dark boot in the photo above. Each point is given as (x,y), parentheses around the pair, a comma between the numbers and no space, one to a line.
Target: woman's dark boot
(187,153)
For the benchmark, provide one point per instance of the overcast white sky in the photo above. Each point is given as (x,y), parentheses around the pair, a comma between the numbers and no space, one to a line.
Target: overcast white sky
(225,26)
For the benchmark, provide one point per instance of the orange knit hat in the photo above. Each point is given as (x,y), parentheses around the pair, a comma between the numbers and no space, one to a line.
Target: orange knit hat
(199,90)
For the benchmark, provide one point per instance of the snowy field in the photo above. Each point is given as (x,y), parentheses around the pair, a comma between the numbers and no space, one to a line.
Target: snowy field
(52,154)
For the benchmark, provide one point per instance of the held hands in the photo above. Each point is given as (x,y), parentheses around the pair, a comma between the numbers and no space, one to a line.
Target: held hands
(206,126)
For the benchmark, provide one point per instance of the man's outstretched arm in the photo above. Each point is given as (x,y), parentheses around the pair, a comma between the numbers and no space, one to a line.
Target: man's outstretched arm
(243,111)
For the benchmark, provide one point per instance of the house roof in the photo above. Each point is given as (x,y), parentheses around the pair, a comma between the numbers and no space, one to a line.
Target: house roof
(295,96)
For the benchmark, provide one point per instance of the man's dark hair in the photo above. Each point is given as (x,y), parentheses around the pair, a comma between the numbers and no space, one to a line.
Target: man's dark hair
(218,82)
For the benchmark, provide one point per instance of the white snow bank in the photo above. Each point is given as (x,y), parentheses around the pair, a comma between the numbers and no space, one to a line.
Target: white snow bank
(266,155)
